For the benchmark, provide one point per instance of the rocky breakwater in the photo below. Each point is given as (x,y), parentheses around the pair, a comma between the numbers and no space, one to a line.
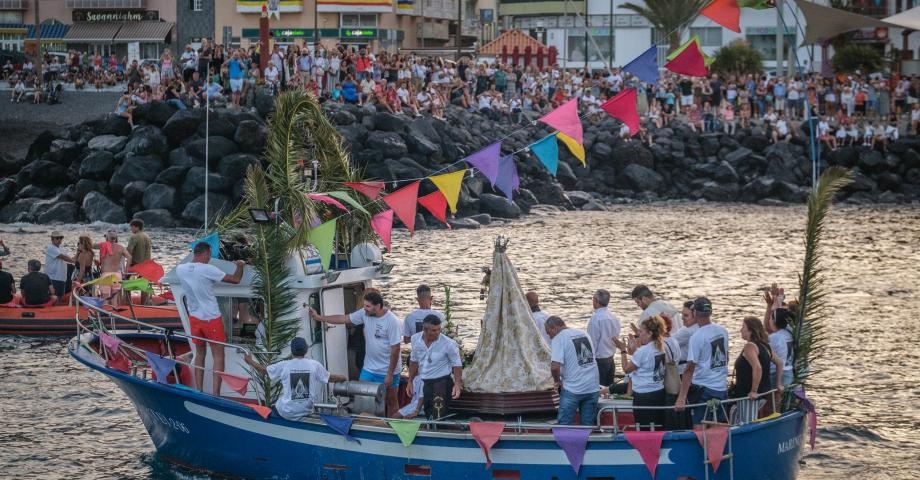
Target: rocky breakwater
(103,170)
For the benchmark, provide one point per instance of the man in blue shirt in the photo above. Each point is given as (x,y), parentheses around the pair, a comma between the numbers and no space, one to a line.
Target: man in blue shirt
(236,68)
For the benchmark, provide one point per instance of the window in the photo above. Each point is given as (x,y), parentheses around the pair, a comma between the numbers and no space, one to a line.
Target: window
(709,36)
(577,48)
(7,16)
(365,20)
(766,44)
(195,5)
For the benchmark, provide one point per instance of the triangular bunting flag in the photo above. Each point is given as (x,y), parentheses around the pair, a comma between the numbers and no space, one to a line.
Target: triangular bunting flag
(382,223)
(105,280)
(566,120)
(645,66)
(724,12)
(547,151)
(689,62)
(345,197)
(136,284)
(573,442)
(436,204)
(262,410)
(110,342)
(486,160)
(403,202)
(649,446)
(235,382)
(161,366)
(323,238)
(213,240)
(577,149)
(148,269)
(119,362)
(693,40)
(96,302)
(322,197)
(369,189)
(508,179)
(341,425)
(623,108)
(714,444)
(405,429)
(809,407)
(449,184)
(486,435)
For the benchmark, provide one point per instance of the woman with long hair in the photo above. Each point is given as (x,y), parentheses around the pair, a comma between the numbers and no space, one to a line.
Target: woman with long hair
(752,369)
(84,260)
(166,67)
(646,370)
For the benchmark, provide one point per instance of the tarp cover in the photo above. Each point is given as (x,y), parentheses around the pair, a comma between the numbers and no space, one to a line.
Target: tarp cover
(511,355)
(824,23)
(907,19)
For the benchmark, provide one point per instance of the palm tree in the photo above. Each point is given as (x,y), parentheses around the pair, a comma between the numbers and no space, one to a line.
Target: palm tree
(669,17)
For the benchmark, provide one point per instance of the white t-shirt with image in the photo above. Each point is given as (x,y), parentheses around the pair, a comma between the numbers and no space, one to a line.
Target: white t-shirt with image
(301,382)
(650,367)
(709,351)
(574,351)
(380,334)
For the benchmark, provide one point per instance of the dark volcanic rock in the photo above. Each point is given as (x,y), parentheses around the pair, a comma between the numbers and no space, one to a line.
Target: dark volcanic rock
(182,125)
(159,196)
(62,212)
(498,206)
(133,193)
(639,178)
(390,144)
(234,166)
(157,218)
(194,211)
(97,165)
(142,167)
(218,148)
(147,140)
(98,208)
(114,124)
(49,174)
(7,190)
(250,136)
(109,143)
(172,175)
(64,151)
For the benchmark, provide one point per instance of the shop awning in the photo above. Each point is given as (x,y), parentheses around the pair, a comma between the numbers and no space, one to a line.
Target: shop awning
(144,32)
(824,23)
(92,32)
(14,28)
(49,32)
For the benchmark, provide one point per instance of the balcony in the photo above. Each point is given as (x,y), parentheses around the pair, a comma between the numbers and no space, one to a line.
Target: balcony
(13,4)
(105,4)
(437,9)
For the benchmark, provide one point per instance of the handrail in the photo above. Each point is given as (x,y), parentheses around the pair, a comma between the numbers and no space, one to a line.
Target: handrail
(613,408)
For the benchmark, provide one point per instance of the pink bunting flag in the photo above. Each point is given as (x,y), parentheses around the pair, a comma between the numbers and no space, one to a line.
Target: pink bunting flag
(235,382)
(382,223)
(486,435)
(436,203)
(623,108)
(326,199)
(403,202)
(724,12)
(262,410)
(573,442)
(689,62)
(713,443)
(369,189)
(649,446)
(110,342)
(566,120)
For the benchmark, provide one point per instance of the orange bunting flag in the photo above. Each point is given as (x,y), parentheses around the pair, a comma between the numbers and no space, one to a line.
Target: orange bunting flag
(382,223)
(262,410)
(402,202)
(436,204)
(689,62)
(724,12)
(623,108)
(235,382)
(148,269)
(369,189)
(449,184)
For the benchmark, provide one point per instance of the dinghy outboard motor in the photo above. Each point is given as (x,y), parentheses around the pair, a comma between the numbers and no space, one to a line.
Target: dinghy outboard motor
(363,397)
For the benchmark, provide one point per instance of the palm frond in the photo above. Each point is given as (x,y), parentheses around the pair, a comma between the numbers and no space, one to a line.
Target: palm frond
(809,331)
(670,17)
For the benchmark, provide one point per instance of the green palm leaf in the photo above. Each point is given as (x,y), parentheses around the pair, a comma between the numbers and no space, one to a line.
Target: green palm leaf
(669,17)
(809,332)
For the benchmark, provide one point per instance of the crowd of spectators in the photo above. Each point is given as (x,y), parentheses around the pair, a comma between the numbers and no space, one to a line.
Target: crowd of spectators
(869,110)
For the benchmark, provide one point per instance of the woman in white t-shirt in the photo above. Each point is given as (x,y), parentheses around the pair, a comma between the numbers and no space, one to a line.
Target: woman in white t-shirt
(781,342)
(646,370)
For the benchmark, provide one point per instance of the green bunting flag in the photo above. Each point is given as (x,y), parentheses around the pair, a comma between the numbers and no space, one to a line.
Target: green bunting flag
(323,238)
(345,197)
(756,4)
(405,429)
(138,284)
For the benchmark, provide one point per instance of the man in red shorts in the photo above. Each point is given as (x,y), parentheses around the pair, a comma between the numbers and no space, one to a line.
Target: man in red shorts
(198,279)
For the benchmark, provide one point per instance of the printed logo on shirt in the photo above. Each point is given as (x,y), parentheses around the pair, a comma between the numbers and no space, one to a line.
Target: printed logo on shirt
(583,351)
(658,374)
(379,331)
(300,385)
(418,327)
(717,356)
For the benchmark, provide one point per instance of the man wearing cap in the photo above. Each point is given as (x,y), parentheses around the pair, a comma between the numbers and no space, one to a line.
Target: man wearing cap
(602,328)
(651,306)
(56,264)
(412,324)
(706,375)
(434,357)
(300,378)
(205,321)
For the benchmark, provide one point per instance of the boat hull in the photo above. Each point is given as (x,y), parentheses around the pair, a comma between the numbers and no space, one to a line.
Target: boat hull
(59,321)
(228,438)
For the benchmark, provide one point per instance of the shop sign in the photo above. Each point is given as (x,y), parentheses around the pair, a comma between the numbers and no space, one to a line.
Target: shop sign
(115,15)
(879,34)
(359,33)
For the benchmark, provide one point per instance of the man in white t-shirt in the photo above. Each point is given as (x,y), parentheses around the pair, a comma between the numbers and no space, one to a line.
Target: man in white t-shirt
(412,324)
(436,359)
(539,316)
(300,380)
(574,372)
(651,306)
(707,363)
(382,336)
(602,327)
(683,335)
(56,265)
(205,322)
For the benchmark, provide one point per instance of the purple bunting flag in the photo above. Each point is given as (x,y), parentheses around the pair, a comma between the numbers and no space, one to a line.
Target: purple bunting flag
(812,416)
(573,442)
(341,425)
(508,179)
(487,160)
(110,342)
(161,366)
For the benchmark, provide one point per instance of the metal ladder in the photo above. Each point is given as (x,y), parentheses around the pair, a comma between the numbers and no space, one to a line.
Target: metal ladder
(714,407)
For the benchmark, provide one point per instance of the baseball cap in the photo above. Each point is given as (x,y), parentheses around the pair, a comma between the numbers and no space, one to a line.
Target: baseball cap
(702,305)
(298,346)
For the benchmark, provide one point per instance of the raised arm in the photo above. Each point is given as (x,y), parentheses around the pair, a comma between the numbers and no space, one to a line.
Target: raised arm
(333,319)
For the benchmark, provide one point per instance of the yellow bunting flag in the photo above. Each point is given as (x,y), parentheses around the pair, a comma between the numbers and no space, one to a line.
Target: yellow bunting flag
(576,148)
(106,280)
(449,185)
